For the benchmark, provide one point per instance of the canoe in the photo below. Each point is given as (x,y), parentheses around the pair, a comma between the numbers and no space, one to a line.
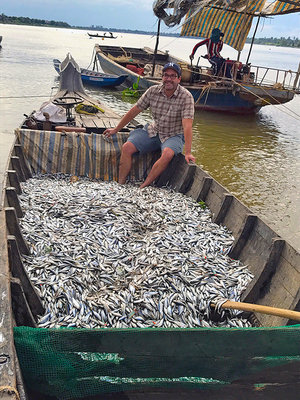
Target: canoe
(247,94)
(138,363)
(95,78)
(104,36)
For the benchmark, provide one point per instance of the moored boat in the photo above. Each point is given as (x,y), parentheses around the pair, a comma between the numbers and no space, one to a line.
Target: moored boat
(245,94)
(96,78)
(139,363)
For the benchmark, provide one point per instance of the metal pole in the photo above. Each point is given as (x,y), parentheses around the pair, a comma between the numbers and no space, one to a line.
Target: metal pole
(252,41)
(156,46)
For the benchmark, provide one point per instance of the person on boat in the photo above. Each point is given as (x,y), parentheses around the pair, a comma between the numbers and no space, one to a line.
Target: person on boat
(214,46)
(172,108)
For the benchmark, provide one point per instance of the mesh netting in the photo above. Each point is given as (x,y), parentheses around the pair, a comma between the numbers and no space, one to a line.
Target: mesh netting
(74,363)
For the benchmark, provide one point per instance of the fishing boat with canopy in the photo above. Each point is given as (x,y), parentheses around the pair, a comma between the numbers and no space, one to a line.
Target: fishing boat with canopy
(245,89)
(234,18)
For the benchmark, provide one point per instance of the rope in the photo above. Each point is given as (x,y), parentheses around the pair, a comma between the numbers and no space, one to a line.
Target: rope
(297,116)
(10,390)
(210,84)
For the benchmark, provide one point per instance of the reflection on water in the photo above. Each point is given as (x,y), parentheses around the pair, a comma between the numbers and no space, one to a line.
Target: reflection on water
(257,158)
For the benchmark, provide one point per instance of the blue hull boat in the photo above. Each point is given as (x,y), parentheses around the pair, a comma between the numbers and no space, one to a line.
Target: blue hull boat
(95,78)
(244,95)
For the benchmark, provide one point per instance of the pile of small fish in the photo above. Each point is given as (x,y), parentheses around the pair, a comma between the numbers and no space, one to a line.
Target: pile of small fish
(111,255)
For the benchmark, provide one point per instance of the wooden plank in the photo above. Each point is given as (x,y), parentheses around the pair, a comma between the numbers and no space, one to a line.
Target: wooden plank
(189,179)
(207,182)
(243,236)
(23,162)
(15,162)
(13,201)
(261,281)
(219,217)
(22,312)
(14,180)
(18,271)
(7,364)
(14,229)
(6,147)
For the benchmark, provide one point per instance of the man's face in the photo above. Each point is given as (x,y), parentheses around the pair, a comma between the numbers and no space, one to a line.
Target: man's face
(170,79)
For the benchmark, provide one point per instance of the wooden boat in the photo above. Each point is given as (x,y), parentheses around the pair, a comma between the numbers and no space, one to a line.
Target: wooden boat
(96,78)
(138,363)
(105,35)
(246,94)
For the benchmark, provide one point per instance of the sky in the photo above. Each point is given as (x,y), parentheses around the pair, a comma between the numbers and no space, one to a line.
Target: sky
(124,14)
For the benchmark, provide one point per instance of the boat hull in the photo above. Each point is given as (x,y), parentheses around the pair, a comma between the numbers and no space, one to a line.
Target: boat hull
(140,363)
(209,95)
(96,78)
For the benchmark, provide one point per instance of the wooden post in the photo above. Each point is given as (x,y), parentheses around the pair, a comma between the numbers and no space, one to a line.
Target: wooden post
(297,78)
(156,47)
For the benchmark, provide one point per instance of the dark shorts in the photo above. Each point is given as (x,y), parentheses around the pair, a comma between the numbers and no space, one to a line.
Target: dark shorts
(145,144)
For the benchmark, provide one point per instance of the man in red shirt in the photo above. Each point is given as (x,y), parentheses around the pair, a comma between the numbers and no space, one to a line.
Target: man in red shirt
(214,46)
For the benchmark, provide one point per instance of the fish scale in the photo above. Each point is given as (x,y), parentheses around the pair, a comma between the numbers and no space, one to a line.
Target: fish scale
(126,257)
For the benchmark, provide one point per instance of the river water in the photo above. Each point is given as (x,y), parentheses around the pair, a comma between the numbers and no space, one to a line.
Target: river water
(256,157)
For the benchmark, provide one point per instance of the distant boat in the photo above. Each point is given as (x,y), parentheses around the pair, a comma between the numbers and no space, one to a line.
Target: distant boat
(96,78)
(108,35)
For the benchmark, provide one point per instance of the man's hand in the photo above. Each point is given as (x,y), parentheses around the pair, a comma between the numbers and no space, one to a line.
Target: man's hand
(109,132)
(189,157)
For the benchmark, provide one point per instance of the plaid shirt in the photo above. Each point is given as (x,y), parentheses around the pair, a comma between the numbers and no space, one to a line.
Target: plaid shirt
(167,112)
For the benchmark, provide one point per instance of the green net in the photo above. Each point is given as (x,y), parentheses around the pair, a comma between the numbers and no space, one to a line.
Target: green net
(76,363)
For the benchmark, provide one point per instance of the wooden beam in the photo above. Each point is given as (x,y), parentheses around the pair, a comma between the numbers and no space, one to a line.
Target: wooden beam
(14,180)
(23,162)
(15,162)
(261,282)
(13,227)
(22,312)
(219,217)
(18,271)
(13,201)
(7,361)
(207,182)
(243,236)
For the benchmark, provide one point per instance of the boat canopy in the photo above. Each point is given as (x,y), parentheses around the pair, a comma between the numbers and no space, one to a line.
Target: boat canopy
(233,17)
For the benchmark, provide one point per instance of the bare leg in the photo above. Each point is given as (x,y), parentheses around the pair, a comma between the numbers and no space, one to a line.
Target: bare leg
(158,167)
(128,149)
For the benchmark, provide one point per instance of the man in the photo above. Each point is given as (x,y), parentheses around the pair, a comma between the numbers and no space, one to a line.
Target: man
(214,46)
(172,108)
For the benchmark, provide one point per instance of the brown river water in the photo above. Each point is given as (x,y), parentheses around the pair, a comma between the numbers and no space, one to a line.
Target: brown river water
(257,157)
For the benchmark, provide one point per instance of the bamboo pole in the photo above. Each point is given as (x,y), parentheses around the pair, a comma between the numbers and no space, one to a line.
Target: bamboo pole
(279,312)
(156,46)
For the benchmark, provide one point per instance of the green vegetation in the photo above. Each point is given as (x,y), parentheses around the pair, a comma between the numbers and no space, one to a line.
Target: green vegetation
(4,19)
(284,42)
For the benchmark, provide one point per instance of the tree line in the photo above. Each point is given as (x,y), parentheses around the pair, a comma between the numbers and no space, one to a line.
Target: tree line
(284,42)
(4,19)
